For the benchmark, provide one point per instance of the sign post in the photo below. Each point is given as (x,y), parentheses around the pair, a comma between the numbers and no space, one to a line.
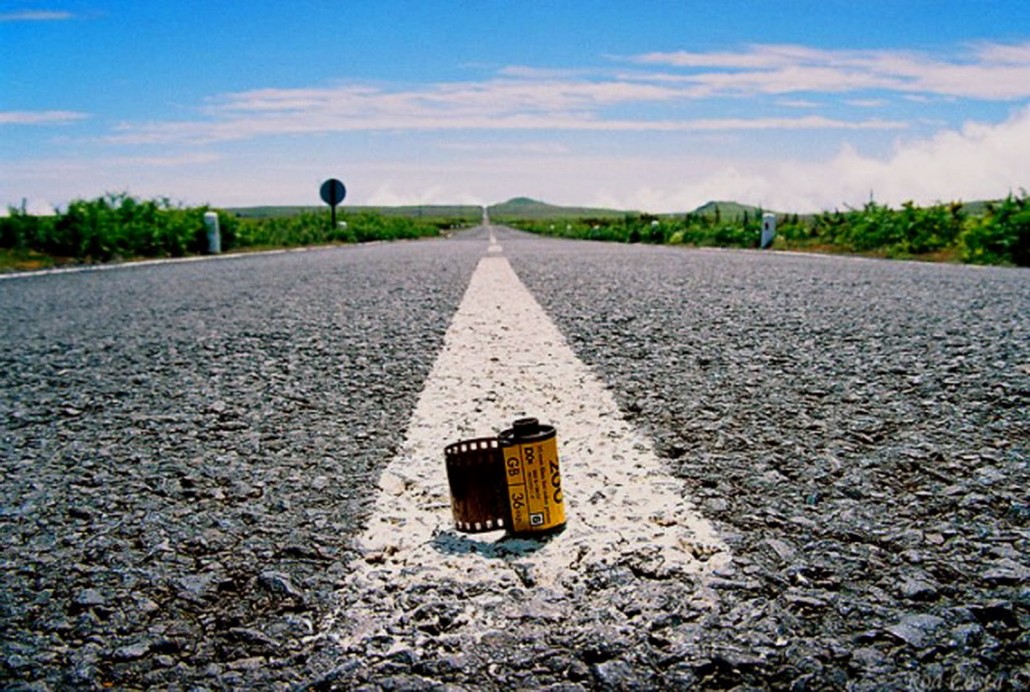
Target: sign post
(333,192)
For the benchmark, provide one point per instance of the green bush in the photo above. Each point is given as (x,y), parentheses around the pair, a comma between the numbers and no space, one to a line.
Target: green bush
(911,230)
(120,226)
(21,231)
(1001,235)
(115,225)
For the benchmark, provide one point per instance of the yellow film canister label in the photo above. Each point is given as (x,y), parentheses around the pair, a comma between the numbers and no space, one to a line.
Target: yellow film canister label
(534,486)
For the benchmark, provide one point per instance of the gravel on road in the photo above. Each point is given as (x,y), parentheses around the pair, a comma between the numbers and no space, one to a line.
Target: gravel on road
(857,429)
(188,451)
(187,448)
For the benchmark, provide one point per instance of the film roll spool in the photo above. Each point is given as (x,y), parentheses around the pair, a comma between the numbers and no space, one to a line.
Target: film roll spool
(511,482)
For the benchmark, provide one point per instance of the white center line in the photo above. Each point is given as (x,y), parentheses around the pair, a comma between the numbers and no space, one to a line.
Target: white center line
(503,359)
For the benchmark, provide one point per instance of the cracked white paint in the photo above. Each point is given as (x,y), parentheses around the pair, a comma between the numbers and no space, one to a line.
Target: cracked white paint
(503,359)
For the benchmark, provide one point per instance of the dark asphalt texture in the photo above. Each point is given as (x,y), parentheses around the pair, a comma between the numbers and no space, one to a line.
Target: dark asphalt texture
(857,429)
(186,450)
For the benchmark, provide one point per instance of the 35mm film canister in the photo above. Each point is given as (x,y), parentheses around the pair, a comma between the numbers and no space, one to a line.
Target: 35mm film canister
(533,477)
(511,482)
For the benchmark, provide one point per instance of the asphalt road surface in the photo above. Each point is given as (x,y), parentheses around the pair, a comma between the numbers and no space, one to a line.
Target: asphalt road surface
(192,455)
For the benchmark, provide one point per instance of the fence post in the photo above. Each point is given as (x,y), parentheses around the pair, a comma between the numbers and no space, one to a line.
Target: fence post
(214,237)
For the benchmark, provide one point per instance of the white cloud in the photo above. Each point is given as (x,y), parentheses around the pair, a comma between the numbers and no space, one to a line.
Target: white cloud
(422,193)
(522,98)
(186,159)
(490,105)
(525,148)
(245,128)
(976,161)
(526,72)
(57,181)
(866,103)
(487,98)
(798,103)
(987,71)
(40,117)
(572,119)
(1001,53)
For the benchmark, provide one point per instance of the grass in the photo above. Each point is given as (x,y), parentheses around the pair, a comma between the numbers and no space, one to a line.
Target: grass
(14,260)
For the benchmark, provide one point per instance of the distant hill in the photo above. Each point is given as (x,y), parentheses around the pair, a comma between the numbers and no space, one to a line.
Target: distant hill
(729,210)
(529,209)
(977,208)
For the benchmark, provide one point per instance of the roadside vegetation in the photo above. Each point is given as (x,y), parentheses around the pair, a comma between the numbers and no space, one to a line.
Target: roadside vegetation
(120,227)
(985,233)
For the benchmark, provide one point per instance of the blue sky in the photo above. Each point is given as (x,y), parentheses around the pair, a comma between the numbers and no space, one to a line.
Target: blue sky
(657,106)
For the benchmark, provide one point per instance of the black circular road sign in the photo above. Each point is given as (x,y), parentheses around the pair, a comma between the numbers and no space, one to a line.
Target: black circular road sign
(333,192)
